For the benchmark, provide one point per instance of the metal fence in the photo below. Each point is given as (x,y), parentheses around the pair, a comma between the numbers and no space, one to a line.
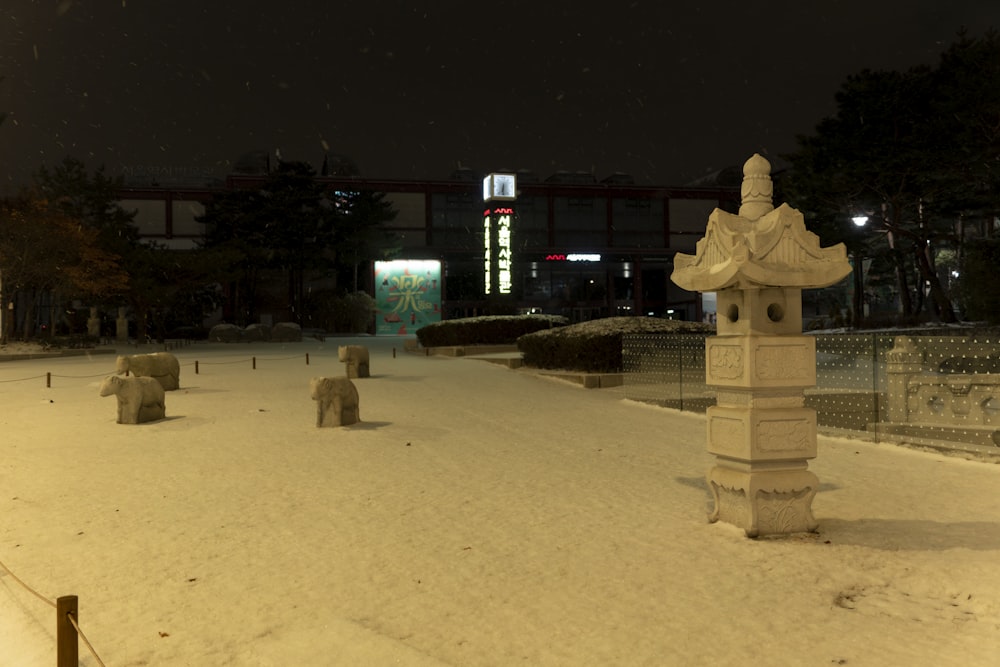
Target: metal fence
(934,391)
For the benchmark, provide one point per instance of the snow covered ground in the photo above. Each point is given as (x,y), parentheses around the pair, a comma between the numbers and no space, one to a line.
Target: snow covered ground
(477,516)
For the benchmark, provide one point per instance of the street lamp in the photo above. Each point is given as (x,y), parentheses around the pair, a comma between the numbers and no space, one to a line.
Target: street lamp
(859,289)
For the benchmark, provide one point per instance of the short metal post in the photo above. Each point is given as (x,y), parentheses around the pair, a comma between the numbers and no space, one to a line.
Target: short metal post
(67,648)
(307,358)
(254,363)
(195,366)
(48,380)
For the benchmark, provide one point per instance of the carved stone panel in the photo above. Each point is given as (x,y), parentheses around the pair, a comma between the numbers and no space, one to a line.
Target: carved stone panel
(792,360)
(765,362)
(766,502)
(725,362)
(754,434)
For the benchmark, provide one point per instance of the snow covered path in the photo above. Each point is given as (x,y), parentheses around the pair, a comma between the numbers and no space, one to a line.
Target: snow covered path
(477,516)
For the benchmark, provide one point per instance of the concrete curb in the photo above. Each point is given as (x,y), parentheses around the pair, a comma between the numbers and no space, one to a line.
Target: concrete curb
(510,357)
(54,355)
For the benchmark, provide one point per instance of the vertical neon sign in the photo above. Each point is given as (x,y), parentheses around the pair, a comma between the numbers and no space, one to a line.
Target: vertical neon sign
(505,260)
(498,255)
(487,251)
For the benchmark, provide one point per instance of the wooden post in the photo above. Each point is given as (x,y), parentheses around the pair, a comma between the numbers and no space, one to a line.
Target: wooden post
(307,358)
(48,380)
(67,647)
(255,363)
(195,366)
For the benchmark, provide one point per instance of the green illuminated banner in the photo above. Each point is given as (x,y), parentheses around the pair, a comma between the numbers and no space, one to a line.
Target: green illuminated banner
(407,295)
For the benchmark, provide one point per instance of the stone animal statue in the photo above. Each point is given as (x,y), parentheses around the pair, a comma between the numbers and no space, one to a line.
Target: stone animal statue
(162,366)
(356,358)
(336,401)
(140,399)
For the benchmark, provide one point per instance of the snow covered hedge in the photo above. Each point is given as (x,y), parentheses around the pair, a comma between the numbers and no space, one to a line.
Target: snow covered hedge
(486,330)
(595,346)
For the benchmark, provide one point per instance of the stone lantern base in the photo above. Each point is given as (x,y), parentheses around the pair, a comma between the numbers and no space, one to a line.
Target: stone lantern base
(761,501)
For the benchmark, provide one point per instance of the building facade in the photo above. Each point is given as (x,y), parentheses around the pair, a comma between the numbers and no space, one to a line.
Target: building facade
(580,248)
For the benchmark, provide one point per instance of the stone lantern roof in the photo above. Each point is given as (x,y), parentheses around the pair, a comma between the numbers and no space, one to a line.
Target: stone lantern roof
(761,247)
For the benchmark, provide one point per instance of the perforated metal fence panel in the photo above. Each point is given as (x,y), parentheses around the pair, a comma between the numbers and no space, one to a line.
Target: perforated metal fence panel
(666,370)
(937,391)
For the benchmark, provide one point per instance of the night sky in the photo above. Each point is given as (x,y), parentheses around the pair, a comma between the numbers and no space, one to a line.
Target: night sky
(664,91)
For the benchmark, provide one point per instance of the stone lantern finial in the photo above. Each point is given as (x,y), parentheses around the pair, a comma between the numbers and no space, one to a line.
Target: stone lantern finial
(757,188)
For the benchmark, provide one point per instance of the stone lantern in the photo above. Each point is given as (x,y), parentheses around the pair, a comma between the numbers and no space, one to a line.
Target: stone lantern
(761,433)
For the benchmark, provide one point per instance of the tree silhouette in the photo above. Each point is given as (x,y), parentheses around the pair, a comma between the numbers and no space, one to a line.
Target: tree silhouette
(914,151)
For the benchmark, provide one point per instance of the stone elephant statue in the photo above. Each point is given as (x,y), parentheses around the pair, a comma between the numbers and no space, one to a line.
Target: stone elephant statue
(140,399)
(336,401)
(162,366)
(356,358)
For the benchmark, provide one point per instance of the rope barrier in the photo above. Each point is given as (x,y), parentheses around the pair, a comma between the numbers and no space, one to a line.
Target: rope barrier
(66,607)
(86,642)
(224,363)
(81,377)
(27,587)
(253,360)
(33,377)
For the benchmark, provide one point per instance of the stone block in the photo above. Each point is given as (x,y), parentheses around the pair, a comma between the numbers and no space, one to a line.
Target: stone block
(760,362)
(763,502)
(767,311)
(762,435)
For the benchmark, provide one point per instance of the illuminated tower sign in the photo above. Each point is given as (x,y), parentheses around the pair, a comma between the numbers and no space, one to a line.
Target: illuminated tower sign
(499,192)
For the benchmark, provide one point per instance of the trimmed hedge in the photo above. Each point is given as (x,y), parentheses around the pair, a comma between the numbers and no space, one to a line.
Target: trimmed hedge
(487,330)
(595,346)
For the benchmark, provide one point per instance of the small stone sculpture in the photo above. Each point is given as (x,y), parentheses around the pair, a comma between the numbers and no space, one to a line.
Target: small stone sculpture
(336,401)
(356,358)
(161,366)
(140,399)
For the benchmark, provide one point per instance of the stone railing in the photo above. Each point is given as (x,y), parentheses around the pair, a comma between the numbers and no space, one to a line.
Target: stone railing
(937,391)
(944,388)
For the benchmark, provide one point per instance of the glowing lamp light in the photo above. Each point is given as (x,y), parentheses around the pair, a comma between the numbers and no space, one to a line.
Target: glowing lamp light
(860,220)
